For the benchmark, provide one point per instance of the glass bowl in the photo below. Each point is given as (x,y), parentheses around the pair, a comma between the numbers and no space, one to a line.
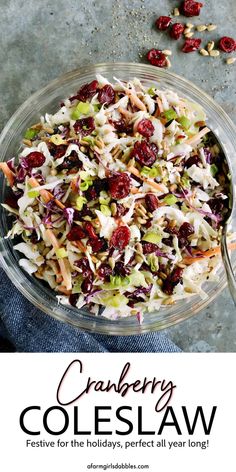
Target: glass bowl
(47,100)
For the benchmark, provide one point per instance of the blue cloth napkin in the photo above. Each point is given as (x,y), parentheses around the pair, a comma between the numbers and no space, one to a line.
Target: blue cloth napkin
(27,329)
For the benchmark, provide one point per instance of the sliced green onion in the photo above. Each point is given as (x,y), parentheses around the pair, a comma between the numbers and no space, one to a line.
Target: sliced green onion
(30,133)
(184,121)
(214,170)
(33,194)
(57,140)
(154,172)
(145,171)
(61,252)
(151,91)
(170,199)
(89,140)
(185,180)
(104,198)
(137,279)
(85,185)
(79,203)
(115,300)
(170,114)
(153,262)
(82,108)
(96,107)
(152,237)
(105,210)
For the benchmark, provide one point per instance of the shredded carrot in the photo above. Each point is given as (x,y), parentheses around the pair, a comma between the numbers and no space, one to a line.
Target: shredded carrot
(45,194)
(204,255)
(160,106)
(8,173)
(197,136)
(153,184)
(134,171)
(64,290)
(63,263)
(80,245)
(74,185)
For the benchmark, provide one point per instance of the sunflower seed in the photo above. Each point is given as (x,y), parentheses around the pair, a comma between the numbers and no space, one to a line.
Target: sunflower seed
(214,53)
(201,28)
(230,60)
(167,52)
(211,27)
(204,52)
(113,208)
(187,30)
(210,46)
(189,35)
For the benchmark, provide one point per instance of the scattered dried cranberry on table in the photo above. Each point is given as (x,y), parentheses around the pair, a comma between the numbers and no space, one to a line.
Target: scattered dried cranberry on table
(157,58)
(163,23)
(191,44)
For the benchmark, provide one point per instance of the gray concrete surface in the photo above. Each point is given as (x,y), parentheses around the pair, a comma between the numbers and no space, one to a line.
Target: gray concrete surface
(42,39)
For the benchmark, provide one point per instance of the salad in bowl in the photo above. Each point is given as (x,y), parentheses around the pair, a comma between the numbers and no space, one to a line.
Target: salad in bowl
(118,198)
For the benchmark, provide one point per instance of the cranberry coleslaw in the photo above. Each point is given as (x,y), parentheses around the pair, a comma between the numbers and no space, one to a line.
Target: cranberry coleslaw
(117,199)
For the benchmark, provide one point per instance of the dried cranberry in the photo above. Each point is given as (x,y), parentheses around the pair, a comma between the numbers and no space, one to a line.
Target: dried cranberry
(216,205)
(145,128)
(106,95)
(227,44)
(71,161)
(151,202)
(83,265)
(85,126)
(120,238)
(87,91)
(176,275)
(34,159)
(119,185)
(192,160)
(76,234)
(100,184)
(121,269)
(12,199)
(91,194)
(97,244)
(176,30)
(148,248)
(87,284)
(163,23)
(185,230)
(171,229)
(73,298)
(191,44)
(58,151)
(90,230)
(122,127)
(104,271)
(172,280)
(144,153)
(168,241)
(191,8)
(157,58)
(120,210)
(78,215)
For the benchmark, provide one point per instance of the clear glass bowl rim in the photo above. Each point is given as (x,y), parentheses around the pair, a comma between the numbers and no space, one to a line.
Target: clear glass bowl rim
(31,288)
